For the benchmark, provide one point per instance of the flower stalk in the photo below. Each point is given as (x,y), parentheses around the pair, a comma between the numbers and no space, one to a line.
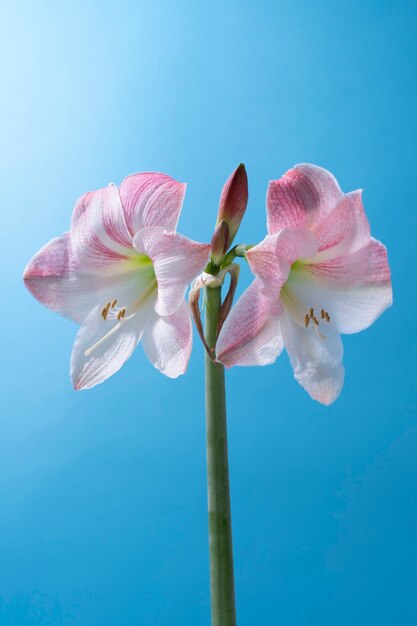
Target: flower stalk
(223,612)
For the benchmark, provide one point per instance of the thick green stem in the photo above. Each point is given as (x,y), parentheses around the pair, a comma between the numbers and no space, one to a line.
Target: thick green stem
(223,612)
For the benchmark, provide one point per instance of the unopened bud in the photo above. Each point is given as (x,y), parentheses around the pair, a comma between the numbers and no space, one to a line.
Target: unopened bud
(233,200)
(220,242)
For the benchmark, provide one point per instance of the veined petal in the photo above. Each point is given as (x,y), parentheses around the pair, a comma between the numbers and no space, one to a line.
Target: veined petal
(99,235)
(151,199)
(315,358)
(367,265)
(304,195)
(51,279)
(54,279)
(272,258)
(251,333)
(102,346)
(167,341)
(177,261)
(354,289)
(345,229)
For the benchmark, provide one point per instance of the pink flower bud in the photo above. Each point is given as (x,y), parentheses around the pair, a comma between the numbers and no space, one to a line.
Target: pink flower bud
(220,242)
(233,200)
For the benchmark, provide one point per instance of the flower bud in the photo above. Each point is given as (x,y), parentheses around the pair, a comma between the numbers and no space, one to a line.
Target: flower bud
(220,242)
(233,200)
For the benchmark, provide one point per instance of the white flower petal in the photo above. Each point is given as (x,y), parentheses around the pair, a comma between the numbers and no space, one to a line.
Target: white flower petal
(102,346)
(354,289)
(167,341)
(316,359)
(177,261)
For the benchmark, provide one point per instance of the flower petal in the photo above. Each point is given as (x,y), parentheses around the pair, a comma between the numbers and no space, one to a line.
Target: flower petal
(354,288)
(50,278)
(105,356)
(367,265)
(151,199)
(345,229)
(100,238)
(251,333)
(54,279)
(302,196)
(177,261)
(272,258)
(167,341)
(316,359)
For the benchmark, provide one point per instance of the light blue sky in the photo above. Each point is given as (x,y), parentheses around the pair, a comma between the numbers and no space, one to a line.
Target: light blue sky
(102,493)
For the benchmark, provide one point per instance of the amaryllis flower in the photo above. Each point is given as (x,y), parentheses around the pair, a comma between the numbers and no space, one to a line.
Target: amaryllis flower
(122,272)
(318,273)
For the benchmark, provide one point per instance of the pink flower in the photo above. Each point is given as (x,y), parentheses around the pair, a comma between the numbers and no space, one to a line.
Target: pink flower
(318,273)
(122,272)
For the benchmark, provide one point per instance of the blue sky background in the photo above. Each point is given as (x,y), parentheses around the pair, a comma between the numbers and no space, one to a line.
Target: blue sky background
(102,493)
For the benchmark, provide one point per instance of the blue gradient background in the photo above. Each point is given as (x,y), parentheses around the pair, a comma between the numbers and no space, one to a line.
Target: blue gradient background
(102,493)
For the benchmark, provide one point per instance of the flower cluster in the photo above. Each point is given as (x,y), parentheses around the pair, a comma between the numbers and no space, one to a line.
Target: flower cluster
(122,272)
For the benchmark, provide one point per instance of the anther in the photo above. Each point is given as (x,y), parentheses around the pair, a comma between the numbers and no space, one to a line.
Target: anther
(121,314)
(113,304)
(322,314)
(306,320)
(105,311)
(311,313)
(315,320)
(327,316)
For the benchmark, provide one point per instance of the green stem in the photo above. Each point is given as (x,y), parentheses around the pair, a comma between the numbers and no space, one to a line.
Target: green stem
(239,250)
(223,611)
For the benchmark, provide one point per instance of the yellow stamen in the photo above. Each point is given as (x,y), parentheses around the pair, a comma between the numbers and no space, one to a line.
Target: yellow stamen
(315,320)
(105,311)
(327,316)
(311,313)
(322,314)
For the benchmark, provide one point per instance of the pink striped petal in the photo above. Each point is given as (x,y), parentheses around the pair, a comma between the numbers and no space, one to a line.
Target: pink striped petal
(167,341)
(177,261)
(272,258)
(304,195)
(345,229)
(367,265)
(50,278)
(93,368)
(251,333)
(354,289)
(315,359)
(100,238)
(53,260)
(151,199)
(55,280)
